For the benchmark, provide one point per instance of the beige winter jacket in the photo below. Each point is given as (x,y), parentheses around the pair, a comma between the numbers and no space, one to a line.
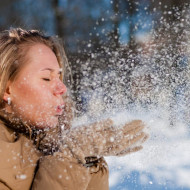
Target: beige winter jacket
(22,167)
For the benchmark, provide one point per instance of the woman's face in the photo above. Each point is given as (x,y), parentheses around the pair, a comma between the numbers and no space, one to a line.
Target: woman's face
(36,93)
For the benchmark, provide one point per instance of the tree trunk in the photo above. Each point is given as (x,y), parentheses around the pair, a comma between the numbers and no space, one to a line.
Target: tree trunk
(59,18)
(131,11)
(116,23)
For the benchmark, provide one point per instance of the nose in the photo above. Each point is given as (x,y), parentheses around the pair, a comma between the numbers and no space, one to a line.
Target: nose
(60,88)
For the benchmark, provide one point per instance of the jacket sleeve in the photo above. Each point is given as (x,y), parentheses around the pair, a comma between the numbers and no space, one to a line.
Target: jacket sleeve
(62,173)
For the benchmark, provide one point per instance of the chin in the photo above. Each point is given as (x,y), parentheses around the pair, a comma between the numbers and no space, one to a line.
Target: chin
(50,123)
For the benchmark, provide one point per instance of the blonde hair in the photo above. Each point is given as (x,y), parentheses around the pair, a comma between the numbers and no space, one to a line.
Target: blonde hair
(14,44)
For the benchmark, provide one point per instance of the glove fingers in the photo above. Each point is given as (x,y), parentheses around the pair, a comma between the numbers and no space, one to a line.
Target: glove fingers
(102,125)
(129,130)
(136,124)
(134,131)
(115,147)
(145,138)
(130,150)
(134,139)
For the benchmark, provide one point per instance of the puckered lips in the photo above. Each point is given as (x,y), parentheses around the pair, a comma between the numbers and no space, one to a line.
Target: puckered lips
(59,109)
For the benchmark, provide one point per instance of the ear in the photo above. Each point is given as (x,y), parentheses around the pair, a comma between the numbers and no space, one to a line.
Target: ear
(7,93)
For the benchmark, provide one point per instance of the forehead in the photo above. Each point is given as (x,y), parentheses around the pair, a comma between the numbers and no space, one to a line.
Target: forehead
(40,56)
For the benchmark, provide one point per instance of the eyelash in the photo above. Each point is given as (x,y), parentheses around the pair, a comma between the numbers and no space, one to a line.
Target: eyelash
(46,79)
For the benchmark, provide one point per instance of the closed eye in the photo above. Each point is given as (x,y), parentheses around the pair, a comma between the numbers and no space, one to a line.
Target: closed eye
(46,79)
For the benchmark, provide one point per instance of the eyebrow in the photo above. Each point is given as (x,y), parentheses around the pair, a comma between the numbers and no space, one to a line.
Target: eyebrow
(52,70)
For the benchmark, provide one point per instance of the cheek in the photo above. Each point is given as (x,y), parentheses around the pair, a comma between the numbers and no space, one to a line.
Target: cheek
(28,96)
(35,103)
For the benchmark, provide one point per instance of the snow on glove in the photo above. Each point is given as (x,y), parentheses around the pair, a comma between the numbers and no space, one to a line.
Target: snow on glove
(103,139)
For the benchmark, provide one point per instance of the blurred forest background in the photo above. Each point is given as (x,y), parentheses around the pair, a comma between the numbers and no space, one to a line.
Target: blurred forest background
(107,40)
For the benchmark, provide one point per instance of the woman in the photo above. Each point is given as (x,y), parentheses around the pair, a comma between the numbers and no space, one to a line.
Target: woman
(34,152)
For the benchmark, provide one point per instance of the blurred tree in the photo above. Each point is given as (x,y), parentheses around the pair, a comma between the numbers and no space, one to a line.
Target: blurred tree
(8,14)
(59,18)
(115,33)
(132,27)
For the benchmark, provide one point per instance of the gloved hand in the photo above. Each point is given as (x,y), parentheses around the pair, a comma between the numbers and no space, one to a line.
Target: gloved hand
(104,139)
